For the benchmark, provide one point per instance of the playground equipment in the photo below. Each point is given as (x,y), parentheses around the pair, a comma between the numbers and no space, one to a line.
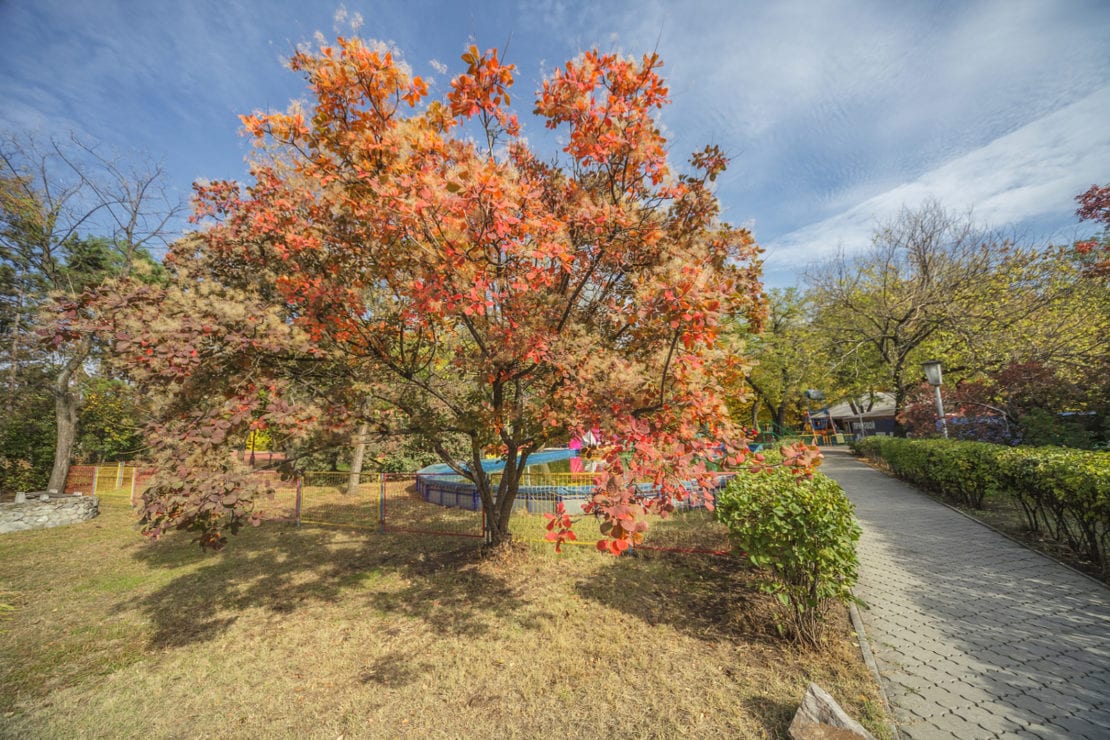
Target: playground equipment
(541,489)
(821,429)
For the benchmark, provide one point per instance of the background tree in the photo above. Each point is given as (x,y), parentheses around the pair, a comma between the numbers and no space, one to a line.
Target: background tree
(1021,331)
(1033,347)
(1025,403)
(112,418)
(788,357)
(426,264)
(69,218)
(886,309)
(27,434)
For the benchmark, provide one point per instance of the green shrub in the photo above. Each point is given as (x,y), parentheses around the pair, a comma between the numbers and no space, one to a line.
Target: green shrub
(803,534)
(960,472)
(1065,494)
(1043,428)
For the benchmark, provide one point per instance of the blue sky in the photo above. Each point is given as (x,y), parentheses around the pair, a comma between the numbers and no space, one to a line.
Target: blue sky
(836,113)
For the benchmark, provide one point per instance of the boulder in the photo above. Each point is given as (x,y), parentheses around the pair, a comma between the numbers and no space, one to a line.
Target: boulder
(821,718)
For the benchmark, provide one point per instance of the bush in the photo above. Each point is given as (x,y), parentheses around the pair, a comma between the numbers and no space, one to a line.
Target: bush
(20,475)
(1064,493)
(27,442)
(1042,428)
(803,534)
(960,472)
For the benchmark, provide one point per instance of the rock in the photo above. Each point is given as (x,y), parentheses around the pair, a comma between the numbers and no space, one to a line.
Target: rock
(20,497)
(821,718)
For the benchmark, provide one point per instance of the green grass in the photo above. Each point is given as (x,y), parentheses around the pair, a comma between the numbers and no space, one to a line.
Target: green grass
(323,631)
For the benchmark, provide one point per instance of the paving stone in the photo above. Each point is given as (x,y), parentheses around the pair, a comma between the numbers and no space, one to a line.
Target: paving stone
(1012,685)
(996,725)
(982,717)
(1042,730)
(1080,727)
(955,725)
(970,695)
(1033,704)
(921,731)
(920,676)
(913,704)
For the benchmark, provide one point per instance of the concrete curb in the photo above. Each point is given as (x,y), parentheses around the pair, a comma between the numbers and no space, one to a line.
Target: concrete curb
(873,666)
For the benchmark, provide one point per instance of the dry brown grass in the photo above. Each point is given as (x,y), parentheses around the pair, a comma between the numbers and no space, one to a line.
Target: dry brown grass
(328,632)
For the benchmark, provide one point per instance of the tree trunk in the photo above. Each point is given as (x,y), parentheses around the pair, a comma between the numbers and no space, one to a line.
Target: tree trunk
(899,403)
(778,419)
(356,458)
(65,413)
(66,404)
(497,515)
(497,502)
(497,518)
(13,361)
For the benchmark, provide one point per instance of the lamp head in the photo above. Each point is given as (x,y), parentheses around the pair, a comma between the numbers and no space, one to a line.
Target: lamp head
(933,372)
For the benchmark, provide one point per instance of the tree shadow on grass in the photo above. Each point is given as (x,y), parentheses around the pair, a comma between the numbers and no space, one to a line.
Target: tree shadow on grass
(711,598)
(775,712)
(283,569)
(394,670)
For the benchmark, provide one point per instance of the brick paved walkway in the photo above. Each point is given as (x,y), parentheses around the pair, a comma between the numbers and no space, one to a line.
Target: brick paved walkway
(975,636)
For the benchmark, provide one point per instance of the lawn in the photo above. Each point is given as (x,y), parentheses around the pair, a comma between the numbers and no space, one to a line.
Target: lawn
(323,631)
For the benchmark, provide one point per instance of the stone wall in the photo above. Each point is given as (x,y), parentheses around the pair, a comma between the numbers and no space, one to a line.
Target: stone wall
(58,511)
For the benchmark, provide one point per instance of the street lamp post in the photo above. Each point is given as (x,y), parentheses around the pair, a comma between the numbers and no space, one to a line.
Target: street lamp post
(934,374)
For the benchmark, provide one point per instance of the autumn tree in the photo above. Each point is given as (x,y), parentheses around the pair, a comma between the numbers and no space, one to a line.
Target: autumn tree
(111,421)
(415,266)
(70,217)
(1094,253)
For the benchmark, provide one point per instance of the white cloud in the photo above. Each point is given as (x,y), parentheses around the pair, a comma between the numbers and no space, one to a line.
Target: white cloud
(1034,171)
(438,66)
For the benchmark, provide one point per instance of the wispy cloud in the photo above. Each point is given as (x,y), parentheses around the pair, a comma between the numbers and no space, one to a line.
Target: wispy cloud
(837,114)
(1017,179)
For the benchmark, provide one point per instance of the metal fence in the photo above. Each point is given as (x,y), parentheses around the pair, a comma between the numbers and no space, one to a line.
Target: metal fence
(125,481)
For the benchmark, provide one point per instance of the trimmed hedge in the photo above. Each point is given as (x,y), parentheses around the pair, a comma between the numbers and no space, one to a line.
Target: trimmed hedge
(803,534)
(1064,493)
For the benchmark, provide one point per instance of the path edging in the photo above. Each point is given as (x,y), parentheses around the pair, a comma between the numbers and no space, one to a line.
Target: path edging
(873,666)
